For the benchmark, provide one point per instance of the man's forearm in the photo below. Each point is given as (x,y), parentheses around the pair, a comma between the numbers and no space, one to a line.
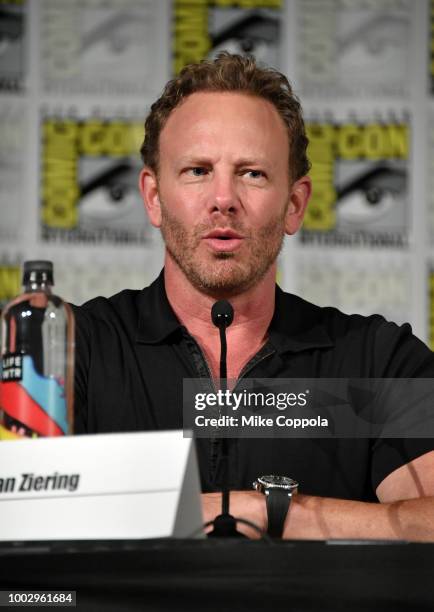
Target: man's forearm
(320,518)
(325,518)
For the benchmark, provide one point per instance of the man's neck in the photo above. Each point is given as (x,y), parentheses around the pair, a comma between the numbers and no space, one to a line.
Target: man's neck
(253,311)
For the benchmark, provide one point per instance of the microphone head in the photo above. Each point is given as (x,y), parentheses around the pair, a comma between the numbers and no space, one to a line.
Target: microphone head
(222,314)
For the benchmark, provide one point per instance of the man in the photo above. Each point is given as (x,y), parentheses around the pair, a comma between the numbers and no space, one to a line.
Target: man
(225,179)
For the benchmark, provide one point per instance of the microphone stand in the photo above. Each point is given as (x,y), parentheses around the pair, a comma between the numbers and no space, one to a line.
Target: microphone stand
(225,525)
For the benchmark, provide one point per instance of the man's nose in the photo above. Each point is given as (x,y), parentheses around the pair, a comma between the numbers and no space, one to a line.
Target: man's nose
(224,197)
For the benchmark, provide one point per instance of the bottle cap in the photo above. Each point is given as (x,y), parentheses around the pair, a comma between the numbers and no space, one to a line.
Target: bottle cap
(38,271)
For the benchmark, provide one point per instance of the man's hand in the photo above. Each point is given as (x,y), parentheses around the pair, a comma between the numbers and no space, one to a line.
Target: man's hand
(248,505)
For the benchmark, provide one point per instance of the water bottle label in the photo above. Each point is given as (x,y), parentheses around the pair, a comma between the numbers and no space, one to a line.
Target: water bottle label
(12,367)
(32,405)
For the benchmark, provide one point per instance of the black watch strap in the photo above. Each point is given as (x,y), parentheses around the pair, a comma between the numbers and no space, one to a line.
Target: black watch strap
(278,501)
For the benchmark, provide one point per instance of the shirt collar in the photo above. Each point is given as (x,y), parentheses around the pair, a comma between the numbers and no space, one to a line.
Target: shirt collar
(296,325)
(157,320)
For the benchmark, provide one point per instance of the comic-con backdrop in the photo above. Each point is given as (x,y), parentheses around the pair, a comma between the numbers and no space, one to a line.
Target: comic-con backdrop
(77,78)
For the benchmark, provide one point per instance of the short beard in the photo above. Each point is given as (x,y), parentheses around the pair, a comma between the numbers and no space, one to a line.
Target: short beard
(229,276)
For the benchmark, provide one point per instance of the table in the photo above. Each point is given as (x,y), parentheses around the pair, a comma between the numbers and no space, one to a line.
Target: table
(224,574)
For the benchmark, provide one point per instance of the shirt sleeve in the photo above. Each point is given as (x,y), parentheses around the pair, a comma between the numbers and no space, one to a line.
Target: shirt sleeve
(399,354)
(81,370)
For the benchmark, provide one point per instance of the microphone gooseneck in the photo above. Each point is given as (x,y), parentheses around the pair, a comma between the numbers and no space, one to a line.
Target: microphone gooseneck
(222,315)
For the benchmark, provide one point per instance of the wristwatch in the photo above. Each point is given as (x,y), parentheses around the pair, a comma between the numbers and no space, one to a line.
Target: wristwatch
(278,491)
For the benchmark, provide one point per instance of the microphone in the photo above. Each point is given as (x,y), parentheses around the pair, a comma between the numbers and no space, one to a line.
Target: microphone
(222,315)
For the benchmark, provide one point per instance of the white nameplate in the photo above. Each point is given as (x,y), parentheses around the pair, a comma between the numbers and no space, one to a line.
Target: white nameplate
(106,486)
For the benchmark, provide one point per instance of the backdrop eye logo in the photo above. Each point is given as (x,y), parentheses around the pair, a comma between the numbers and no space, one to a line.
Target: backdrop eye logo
(202,29)
(88,175)
(359,170)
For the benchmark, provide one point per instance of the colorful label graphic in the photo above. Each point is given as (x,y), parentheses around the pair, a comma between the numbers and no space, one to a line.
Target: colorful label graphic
(32,405)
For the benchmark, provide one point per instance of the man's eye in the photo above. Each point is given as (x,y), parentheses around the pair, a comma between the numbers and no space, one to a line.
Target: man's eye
(198,171)
(254,173)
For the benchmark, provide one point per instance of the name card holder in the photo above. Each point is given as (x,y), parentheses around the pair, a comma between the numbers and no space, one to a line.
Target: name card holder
(99,487)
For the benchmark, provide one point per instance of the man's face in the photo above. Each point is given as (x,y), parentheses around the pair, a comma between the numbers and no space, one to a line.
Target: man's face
(223,189)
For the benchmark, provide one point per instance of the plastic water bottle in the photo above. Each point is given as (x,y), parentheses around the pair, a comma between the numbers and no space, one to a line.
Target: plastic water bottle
(37,350)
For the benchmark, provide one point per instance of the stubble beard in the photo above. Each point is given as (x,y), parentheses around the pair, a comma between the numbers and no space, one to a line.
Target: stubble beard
(223,274)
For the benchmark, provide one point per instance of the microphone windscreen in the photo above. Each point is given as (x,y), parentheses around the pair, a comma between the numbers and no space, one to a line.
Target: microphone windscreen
(222,313)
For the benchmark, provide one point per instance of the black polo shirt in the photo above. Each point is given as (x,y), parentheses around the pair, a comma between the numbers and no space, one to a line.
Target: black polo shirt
(133,353)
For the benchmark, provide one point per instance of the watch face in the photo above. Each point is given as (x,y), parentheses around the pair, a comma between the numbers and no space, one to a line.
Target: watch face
(278,481)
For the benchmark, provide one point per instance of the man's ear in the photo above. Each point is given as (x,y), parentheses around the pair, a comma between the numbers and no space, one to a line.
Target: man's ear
(148,186)
(298,199)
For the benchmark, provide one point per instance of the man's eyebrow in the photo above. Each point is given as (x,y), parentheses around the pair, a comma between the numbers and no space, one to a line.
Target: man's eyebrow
(254,161)
(201,160)
(195,160)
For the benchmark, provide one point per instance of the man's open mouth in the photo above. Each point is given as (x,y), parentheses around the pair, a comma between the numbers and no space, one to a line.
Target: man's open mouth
(223,240)
(224,234)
